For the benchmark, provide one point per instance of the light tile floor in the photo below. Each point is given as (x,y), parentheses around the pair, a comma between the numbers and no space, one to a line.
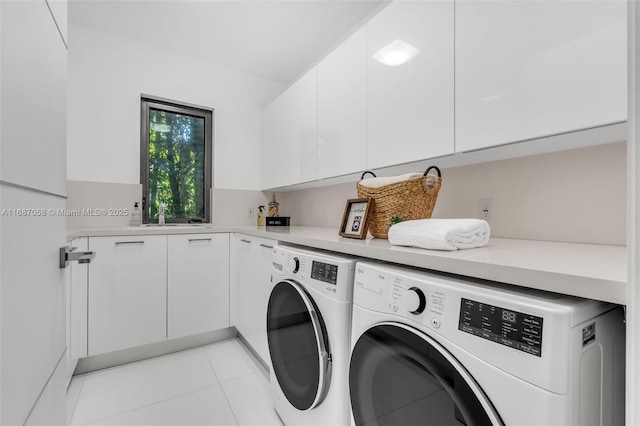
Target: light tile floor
(218,384)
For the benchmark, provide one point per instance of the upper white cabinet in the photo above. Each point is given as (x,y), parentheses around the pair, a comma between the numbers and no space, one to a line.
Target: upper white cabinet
(198,284)
(342,108)
(289,129)
(527,69)
(410,106)
(127,292)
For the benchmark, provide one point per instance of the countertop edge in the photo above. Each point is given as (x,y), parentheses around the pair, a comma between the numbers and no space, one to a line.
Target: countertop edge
(609,286)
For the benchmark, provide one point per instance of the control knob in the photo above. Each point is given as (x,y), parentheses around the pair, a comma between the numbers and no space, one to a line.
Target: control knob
(296,264)
(414,300)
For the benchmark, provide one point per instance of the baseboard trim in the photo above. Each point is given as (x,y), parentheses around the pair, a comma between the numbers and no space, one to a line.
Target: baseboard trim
(254,353)
(139,353)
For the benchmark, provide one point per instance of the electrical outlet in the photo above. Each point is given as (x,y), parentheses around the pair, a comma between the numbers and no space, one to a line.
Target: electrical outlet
(250,212)
(486,209)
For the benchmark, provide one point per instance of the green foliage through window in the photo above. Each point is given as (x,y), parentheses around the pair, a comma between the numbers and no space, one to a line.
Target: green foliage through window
(177,163)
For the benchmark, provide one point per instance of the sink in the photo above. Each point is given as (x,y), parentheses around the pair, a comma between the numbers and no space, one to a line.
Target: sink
(179,225)
(172,226)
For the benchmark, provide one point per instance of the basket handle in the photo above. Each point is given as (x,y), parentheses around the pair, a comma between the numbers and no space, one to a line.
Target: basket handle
(368,171)
(428,170)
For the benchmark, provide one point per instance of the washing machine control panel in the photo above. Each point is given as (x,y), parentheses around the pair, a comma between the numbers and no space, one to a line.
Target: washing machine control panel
(510,328)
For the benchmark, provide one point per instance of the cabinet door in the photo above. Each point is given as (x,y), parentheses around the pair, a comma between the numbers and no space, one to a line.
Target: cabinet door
(198,284)
(253,289)
(127,292)
(342,108)
(410,106)
(290,135)
(528,69)
(273,144)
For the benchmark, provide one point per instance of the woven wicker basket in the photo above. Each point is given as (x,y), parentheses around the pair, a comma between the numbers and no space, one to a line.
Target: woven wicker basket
(412,199)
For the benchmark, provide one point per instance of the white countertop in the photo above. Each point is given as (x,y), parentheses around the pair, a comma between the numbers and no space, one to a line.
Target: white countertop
(586,270)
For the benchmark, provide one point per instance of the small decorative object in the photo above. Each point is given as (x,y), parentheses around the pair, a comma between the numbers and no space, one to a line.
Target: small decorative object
(395,219)
(279,221)
(261,220)
(355,221)
(273,206)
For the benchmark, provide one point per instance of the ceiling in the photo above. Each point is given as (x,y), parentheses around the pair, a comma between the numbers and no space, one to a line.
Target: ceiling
(274,39)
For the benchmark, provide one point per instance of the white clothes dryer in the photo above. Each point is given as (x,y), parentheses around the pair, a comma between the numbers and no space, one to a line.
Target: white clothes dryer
(434,349)
(308,330)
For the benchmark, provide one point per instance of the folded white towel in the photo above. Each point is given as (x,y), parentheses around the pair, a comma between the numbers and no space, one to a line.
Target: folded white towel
(440,234)
(377,182)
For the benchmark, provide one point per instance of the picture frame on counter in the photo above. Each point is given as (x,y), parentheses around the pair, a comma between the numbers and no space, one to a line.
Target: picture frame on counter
(355,220)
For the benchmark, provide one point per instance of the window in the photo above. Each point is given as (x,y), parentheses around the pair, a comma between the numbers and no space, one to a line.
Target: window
(175,160)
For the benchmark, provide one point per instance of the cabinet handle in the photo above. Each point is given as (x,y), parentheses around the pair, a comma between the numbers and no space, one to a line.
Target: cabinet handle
(199,239)
(246,241)
(266,246)
(129,242)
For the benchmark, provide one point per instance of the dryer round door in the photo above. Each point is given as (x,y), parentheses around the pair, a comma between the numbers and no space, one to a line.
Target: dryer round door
(401,376)
(298,345)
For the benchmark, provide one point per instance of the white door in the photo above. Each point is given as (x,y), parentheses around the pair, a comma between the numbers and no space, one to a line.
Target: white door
(32,189)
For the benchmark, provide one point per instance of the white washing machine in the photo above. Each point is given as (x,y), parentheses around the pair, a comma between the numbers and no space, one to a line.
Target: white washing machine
(308,329)
(433,349)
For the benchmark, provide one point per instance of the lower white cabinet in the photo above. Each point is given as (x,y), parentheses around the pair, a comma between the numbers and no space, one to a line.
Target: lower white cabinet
(146,289)
(127,301)
(198,284)
(251,289)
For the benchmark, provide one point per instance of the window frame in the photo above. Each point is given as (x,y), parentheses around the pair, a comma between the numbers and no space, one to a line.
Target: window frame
(146,103)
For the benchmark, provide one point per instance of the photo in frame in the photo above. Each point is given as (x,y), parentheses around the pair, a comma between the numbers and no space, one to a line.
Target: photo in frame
(355,220)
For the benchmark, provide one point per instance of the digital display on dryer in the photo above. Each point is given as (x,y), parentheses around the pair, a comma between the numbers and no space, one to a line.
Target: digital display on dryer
(324,272)
(509,328)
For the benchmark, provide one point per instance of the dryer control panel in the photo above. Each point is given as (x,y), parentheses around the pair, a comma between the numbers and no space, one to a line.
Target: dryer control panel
(329,274)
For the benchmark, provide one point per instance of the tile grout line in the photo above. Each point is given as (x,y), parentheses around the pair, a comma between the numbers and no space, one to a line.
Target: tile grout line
(152,404)
(233,413)
(137,364)
(201,349)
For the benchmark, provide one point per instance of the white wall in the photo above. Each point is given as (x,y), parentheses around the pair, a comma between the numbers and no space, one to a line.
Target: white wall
(107,74)
(573,196)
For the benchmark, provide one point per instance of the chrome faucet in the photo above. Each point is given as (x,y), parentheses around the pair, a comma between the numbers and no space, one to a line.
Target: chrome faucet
(161,209)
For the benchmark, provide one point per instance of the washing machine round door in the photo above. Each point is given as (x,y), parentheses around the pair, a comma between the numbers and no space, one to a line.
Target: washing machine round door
(401,376)
(298,345)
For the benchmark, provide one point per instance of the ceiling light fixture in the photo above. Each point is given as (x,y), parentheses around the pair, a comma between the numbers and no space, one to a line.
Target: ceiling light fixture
(396,53)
